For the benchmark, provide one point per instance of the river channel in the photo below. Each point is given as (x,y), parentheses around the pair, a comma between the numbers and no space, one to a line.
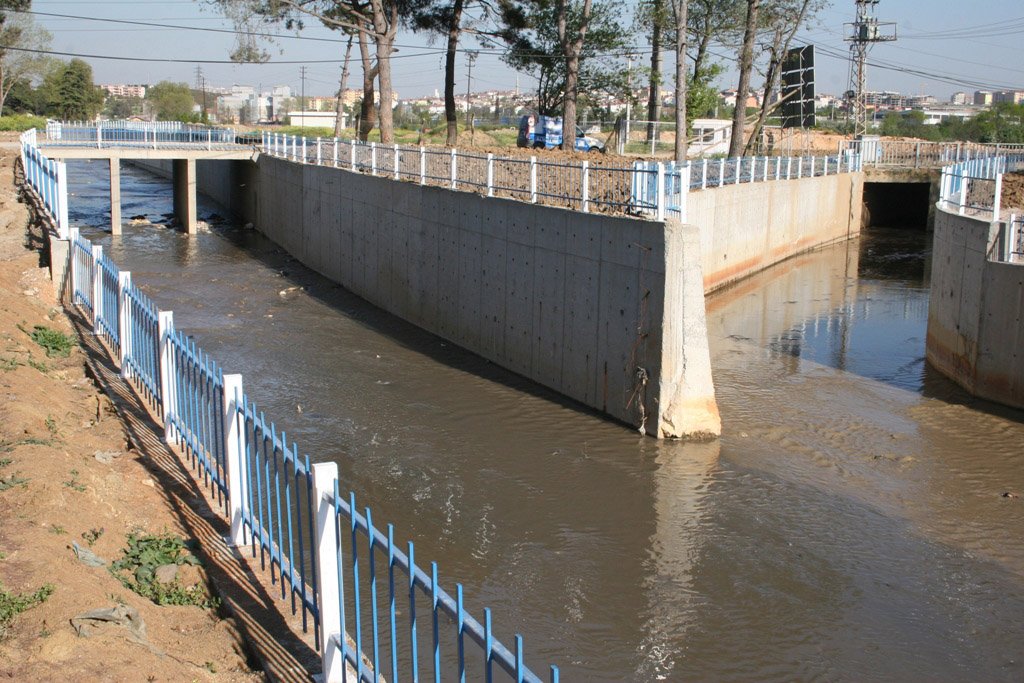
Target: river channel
(850,524)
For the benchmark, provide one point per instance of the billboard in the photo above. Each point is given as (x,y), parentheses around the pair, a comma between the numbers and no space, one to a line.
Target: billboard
(798,88)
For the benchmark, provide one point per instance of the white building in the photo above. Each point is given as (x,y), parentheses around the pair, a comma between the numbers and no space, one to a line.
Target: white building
(710,136)
(314,119)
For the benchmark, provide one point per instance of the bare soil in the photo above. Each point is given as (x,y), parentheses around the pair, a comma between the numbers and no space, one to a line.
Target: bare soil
(84,479)
(1013,192)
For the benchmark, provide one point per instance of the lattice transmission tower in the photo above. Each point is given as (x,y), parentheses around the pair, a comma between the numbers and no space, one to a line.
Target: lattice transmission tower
(864,32)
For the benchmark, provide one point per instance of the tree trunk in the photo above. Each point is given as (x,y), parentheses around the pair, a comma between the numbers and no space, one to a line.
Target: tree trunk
(571,49)
(339,107)
(780,46)
(367,112)
(450,114)
(385,24)
(653,101)
(746,64)
(681,7)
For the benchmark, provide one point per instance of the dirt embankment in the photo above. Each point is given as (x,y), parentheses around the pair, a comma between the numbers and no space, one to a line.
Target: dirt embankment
(1013,192)
(69,475)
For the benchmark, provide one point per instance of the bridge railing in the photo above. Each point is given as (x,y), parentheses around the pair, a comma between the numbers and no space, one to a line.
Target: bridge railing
(923,154)
(975,187)
(138,134)
(374,612)
(604,184)
(48,179)
(1012,240)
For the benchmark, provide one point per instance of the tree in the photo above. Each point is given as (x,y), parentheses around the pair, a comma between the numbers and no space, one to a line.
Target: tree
(746,64)
(75,96)
(530,30)
(172,101)
(781,20)
(18,60)
(679,12)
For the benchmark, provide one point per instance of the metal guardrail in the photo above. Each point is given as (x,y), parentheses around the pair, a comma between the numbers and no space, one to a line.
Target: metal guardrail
(975,186)
(922,154)
(291,512)
(141,135)
(588,185)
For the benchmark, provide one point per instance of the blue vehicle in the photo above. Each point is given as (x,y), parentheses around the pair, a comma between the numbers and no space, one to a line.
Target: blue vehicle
(546,131)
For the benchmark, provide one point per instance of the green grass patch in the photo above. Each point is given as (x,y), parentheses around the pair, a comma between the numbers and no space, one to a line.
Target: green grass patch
(13,604)
(21,122)
(12,481)
(74,484)
(54,342)
(136,570)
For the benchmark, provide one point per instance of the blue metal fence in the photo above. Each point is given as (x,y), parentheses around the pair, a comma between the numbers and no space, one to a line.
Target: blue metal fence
(274,495)
(137,134)
(82,272)
(277,509)
(197,407)
(48,178)
(108,310)
(142,345)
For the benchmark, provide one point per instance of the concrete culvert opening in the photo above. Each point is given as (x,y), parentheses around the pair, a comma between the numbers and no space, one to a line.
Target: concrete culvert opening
(896,205)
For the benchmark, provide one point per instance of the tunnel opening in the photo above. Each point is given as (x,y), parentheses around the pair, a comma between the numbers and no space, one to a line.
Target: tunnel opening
(896,205)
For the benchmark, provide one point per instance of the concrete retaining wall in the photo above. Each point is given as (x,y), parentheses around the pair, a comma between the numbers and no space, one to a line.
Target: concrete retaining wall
(976,310)
(748,227)
(607,310)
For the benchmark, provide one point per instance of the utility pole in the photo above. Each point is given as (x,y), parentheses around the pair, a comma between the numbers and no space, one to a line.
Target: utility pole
(201,85)
(302,73)
(866,31)
(471,56)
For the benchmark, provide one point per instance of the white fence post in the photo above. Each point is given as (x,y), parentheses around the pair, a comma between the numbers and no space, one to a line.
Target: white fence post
(490,174)
(778,168)
(209,139)
(453,168)
(397,162)
(99,137)
(998,199)
(124,281)
(812,167)
(660,189)
(303,149)
(62,200)
(73,261)
(319,152)
(533,179)
(325,475)
(704,174)
(423,165)
(97,287)
(373,158)
(352,154)
(586,187)
(721,171)
(233,458)
(335,158)
(164,330)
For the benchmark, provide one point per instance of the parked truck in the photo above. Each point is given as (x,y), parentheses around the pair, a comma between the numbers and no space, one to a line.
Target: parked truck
(546,131)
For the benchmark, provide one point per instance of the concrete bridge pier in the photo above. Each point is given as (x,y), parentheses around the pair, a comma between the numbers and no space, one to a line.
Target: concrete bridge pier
(183,177)
(115,195)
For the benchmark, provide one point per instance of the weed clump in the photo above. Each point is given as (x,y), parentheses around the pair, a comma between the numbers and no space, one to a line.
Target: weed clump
(137,570)
(13,604)
(54,342)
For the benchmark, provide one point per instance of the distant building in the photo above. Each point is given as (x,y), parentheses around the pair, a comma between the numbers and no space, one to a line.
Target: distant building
(121,90)
(1010,96)
(982,98)
(959,98)
(314,119)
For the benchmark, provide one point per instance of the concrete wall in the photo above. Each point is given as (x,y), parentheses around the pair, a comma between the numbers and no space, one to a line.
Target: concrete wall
(976,310)
(748,227)
(607,310)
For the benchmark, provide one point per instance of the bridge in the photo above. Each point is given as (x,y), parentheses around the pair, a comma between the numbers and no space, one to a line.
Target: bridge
(118,141)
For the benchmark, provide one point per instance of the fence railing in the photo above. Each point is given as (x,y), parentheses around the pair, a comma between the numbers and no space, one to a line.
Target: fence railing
(327,556)
(921,154)
(1013,239)
(597,184)
(48,179)
(138,134)
(975,186)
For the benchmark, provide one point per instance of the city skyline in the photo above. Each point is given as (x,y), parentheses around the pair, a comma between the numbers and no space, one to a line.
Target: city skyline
(929,57)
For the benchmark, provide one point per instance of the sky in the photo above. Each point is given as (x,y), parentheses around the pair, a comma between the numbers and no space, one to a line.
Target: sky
(943,46)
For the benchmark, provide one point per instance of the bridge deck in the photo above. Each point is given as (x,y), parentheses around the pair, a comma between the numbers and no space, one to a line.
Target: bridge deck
(218,151)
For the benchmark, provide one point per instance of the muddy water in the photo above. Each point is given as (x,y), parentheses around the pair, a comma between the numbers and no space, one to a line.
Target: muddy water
(849,525)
